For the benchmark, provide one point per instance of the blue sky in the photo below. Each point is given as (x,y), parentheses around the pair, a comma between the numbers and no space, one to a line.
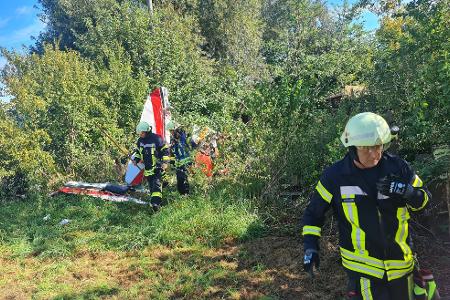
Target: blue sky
(18,22)
(369,19)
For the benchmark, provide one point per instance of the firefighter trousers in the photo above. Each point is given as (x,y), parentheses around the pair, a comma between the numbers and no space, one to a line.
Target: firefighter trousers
(367,289)
(155,186)
(182,180)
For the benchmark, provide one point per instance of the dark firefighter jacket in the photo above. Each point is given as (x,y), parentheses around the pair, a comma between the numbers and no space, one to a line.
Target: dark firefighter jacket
(373,228)
(180,148)
(152,150)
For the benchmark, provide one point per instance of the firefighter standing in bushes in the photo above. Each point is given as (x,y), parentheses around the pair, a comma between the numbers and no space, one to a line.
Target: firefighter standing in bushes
(181,156)
(155,154)
(372,193)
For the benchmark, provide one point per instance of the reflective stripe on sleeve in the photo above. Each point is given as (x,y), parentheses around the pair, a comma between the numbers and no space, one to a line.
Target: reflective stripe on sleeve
(424,203)
(313,230)
(417,182)
(324,193)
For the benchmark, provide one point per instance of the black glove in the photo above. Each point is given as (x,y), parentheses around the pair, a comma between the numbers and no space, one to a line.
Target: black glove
(311,258)
(393,185)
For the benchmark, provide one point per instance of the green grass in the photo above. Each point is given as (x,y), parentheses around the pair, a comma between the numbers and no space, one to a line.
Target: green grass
(121,250)
(96,225)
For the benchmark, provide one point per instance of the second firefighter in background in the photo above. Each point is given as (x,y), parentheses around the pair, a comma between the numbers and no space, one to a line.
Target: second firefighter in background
(180,156)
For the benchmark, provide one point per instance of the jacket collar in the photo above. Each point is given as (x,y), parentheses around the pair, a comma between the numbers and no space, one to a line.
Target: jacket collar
(349,168)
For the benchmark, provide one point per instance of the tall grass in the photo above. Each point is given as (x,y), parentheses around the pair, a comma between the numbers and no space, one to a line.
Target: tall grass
(96,225)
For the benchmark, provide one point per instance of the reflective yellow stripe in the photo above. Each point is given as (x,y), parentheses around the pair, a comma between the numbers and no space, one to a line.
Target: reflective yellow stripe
(314,230)
(365,288)
(326,195)
(165,158)
(425,201)
(164,147)
(399,264)
(358,235)
(418,291)
(395,274)
(156,194)
(417,182)
(402,230)
(378,263)
(153,157)
(149,172)
(411,287)
(372,261)
(362,268)
(431,289)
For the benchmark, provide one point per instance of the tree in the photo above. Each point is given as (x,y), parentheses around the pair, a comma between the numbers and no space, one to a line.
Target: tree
(24,164)
(304,40)
(59,94)
(233,35)
(412,73)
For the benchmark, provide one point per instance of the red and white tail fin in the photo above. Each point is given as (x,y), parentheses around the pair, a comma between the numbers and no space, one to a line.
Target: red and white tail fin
(156,113)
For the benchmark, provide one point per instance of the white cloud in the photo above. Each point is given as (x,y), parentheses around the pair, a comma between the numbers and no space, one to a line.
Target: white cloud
(24,10)
(23,35)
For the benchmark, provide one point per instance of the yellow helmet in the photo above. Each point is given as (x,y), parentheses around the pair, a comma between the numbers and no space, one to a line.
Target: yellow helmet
(366,129)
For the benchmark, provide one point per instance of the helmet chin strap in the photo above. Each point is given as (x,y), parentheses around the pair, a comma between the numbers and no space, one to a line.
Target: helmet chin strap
(354,155)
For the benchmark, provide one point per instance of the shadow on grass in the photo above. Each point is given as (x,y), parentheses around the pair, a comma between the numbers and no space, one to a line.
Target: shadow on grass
(264,268)
(94,293)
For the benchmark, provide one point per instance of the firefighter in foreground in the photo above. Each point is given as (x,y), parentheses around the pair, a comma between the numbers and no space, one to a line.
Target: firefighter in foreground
(372,193)
(181,156)
(152,150)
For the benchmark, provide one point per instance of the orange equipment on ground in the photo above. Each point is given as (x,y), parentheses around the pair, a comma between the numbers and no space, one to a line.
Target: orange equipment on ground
(204,161)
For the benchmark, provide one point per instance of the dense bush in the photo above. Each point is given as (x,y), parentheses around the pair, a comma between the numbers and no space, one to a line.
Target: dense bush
(263,77)
(24,165)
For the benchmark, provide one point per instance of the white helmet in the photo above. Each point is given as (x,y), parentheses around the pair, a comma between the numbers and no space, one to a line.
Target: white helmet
(366,129)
